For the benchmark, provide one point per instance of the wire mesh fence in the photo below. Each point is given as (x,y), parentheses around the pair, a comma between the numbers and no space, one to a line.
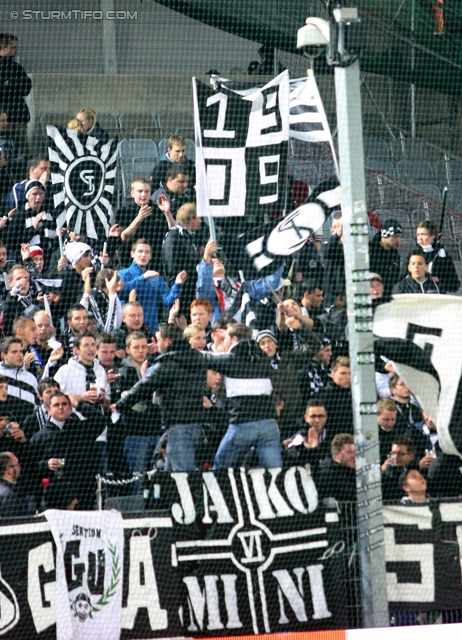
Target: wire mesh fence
(174,329)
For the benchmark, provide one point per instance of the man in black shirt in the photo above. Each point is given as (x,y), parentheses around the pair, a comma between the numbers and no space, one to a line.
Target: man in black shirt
(175,189)
(15,86)
(11,503)
(337,478)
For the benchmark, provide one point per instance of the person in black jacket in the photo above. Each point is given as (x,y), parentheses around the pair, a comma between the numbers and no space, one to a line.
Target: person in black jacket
(337,398)
(133,320)
(176,154)
(179,249)
(247,376)
(383,255)
(418,280)
(178,377)
(32,224)
(140,219)
(11,503)
(11,161)
(15,86)
(311,444)
(65,448)
(402,457)
(337,478)
(175,189)
(334,265)
(88,119)
(440,265)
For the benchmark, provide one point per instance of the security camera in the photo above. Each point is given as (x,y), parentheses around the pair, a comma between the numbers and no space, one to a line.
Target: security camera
(313,37)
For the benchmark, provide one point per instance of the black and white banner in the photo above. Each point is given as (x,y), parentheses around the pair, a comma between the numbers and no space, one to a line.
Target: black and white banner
(427,352)
(423,558)
(83,174)
(274,242)
(241,148)
(88,603)
(238,552)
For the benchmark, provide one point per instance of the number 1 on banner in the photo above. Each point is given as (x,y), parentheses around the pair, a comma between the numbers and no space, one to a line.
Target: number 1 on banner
(219,132)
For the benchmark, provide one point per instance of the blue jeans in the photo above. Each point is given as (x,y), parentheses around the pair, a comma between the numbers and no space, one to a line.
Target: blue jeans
(181,446)
(138,451)
(261,434)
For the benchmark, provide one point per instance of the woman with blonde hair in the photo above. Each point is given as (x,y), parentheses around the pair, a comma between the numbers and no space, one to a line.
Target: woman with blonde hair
(88,119)
(75,125)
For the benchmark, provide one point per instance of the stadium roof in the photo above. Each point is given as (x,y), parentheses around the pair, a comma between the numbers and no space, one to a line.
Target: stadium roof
(434,28)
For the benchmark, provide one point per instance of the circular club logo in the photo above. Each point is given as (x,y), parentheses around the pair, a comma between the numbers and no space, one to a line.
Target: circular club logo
(84,181)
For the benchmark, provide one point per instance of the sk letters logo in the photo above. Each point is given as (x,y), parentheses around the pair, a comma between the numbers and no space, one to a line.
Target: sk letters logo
(84,181)
(87,176)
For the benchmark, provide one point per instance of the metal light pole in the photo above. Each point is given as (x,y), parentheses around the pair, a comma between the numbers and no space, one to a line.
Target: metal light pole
(343,43)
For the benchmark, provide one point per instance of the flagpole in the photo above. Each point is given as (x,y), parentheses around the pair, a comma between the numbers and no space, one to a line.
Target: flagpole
(200,162)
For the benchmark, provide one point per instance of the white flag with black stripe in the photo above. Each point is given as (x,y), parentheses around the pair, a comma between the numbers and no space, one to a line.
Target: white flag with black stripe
(270,242)
(308,120)
(427,354)
(83,174)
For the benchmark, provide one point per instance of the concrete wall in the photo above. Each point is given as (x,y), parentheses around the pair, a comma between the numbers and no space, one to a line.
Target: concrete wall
(158,42)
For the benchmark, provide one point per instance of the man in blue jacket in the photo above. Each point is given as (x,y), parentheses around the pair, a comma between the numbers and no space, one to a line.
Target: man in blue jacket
(150,287)
(220,290)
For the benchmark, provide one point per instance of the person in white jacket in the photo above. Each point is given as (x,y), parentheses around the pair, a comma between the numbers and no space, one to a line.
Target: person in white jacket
(83,376)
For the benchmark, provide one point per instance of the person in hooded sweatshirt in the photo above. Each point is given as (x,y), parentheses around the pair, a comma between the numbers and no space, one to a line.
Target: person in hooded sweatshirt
(440,266)
(384,257)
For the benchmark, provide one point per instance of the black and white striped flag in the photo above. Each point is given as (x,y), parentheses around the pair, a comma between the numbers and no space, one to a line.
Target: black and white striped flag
(307,117)
(83,173)
(427,354)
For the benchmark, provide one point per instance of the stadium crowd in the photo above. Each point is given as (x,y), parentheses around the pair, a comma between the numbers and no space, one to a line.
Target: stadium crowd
(136,351)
